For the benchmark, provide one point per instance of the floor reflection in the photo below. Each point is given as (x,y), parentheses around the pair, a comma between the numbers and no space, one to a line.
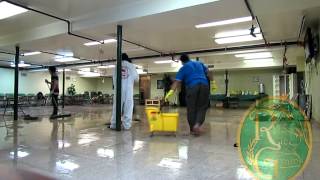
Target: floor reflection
(82,147)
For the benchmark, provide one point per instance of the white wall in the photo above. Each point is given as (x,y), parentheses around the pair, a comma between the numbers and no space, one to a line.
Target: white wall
(6,80)
(156,93)
(34,82)
(312,77)
(244,80)
(105,86)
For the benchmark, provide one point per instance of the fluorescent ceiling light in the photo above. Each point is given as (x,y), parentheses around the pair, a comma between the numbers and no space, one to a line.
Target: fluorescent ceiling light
(164,62)
(225,22)
(66,70)
(85,69)
(107,66)
(39,70)
(109,41)
(88,74)
(66,59)
(141,71)
(242,52)
(8,10)
(94,43)
(176,64)
(31,53)
(259,61)
(241,32)
(255,55)
(237,39)
(138,66)
(21,64)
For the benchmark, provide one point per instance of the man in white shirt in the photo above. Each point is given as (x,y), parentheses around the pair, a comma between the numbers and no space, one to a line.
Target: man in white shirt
(129,76)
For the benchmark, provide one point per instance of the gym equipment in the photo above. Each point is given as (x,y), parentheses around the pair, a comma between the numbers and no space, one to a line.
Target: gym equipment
(61,115)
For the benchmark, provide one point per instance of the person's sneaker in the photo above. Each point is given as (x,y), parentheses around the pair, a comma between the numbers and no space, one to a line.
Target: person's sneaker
(112,128)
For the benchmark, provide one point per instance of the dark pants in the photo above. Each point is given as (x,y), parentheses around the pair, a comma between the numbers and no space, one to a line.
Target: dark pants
(55,104)
(197,104)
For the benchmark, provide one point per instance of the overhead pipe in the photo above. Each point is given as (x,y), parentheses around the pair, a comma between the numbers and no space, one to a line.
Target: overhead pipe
(142,46)
(236,48)
(8,61)
(52,16)
(6,67)
(70,29)
(301,27)
(56,54)
(262,32)
(45,52)
(8,53)
(249,9)
(257,20)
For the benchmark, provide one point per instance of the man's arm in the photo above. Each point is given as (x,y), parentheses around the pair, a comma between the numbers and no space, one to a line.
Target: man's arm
(47,81)
(176,84)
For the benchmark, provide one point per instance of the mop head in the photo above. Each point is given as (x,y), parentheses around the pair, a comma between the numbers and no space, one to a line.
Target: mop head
(30,118)
(60,116)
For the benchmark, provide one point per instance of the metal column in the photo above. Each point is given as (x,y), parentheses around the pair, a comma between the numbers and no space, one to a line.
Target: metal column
(119,78)
(63,86)
(16,84)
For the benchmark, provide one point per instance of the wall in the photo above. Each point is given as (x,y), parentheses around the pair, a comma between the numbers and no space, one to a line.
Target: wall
(105,86)
(34,82)
(238,80)
(6,80)
(155,92)
(313,87)
(244,80)
(312,76)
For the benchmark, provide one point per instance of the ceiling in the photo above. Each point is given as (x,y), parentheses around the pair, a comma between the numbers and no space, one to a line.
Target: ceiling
(168,27)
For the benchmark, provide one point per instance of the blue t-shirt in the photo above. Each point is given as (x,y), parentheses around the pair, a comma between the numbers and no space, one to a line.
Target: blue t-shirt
(193,73)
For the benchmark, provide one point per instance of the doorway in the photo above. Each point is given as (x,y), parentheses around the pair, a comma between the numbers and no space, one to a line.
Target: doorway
(144,88)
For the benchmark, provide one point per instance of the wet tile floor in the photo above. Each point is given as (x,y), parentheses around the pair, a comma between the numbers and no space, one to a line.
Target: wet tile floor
(82,147)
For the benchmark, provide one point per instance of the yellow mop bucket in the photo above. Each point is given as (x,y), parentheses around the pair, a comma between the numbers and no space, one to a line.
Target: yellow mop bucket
(161,122)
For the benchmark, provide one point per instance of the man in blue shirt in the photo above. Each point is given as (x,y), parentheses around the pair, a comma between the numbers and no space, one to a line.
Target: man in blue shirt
(194,75)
